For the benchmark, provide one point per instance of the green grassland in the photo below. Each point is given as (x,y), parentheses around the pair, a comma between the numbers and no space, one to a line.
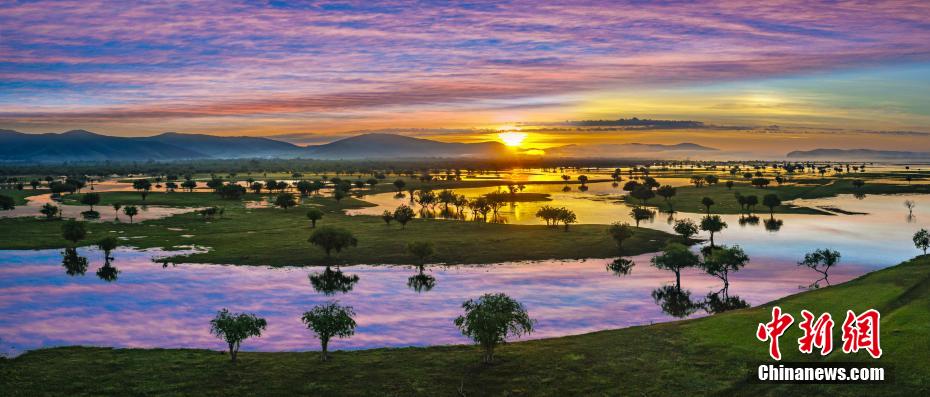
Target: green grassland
(19,196)
(708,356)
(688,198)
(278,237)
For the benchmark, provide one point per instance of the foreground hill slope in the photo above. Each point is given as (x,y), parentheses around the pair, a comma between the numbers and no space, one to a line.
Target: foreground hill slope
(707,356)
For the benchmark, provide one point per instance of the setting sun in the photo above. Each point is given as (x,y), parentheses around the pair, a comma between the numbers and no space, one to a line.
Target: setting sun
(511,138)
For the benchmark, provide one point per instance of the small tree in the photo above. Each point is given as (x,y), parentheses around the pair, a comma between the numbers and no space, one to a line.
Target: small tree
(720,262)
(620,232)
(771,200)
(858,183)
(314,214)
(73,231)
(490,319)
(235,328)
(285,200)
(686,228)
(420,249)
(399,185)
(922,240)
(387,217)
(49,210)
(712,224)
(821,261)
(403,214)
(107,245)
(675,257)
(707,202)
(90,199)
(143,186)
(131,211)
(667,192)
(567,217)
(116,207)
(328,321)
(331,238)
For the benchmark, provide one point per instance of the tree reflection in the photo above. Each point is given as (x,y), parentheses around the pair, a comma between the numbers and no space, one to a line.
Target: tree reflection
(721,301)
(330,281)
(421,282)
(621,266)
(750,220)
(674,301)
(773,225)
(74,264)
(108,272)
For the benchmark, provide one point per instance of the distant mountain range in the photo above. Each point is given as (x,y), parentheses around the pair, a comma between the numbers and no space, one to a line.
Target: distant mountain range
(80,145)
(857,154)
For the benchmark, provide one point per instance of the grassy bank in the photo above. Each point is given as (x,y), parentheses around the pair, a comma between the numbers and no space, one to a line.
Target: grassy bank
(19,196)
(273,236)
(688,198)
(708,356)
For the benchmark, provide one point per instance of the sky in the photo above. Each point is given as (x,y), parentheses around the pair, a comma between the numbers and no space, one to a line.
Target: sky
(828,74)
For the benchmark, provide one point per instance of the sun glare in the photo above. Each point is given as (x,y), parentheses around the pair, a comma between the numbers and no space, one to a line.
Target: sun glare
(511,138)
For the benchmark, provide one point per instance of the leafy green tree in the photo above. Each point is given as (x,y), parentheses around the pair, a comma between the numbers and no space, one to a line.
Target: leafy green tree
(712,224)
(759,182)
(751,202)
(491,319)
(73,231)
(922,240)
(339,194)
(771,200)
(143,186)
(49,210)
(420,249)
(620,232)
(189,184)
(331,238)
(642,193)
(399,185)
(729,185)
(567,217)
(403,214)
(640,214)
(314,214)
(230,191)
(821,261)
(328,321)
(583,179)
(686,228)
(90,199)
(723,260)
(235,328)
(667,192)
(387,217)
(7,203)
(707,202)
(107,245)
(285,200)
(675,257)
(130,211)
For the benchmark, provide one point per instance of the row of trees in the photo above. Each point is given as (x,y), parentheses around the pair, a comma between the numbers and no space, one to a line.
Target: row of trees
(488,320)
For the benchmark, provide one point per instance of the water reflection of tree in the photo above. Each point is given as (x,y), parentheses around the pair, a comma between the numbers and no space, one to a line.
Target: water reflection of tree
(750,220)
(675,301)
(721,301)
(74,264)
(108,272)
(421,282)
(621,266)
(773,225)
(330,281)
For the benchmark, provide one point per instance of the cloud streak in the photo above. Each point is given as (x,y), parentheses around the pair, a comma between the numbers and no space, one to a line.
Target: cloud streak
(104,62)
